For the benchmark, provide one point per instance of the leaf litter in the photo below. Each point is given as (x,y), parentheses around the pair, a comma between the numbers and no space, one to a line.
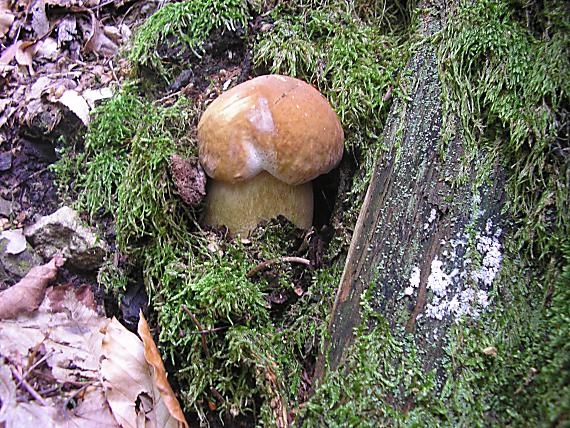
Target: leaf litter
(63,364)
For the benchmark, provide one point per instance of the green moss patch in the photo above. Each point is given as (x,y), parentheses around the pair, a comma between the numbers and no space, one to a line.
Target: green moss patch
(181,28)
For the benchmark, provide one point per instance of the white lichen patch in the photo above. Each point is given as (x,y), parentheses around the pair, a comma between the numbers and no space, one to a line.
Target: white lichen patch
(490,248)
(414,281)
(431,218)
(452,296)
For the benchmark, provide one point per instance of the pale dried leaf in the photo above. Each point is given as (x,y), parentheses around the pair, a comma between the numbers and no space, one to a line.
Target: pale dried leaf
(8,54)
(6,17)
(26,295)
(7,392)
(24,55)
(128,379)
(77,104)
(98,42)
(16,241)
(69,332)
(91,410)
(40,22)
(47,48)
(153,357)
(94,95)
(38,88)
(4,102)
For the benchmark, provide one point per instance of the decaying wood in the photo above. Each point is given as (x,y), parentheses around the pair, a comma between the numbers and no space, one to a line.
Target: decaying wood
(414,213)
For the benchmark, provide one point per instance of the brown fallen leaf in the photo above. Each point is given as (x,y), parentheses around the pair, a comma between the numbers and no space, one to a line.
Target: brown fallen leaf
(67,329)
(98,42)
(26,295)
(25,55)
(153,357)
(129,379)
(6,17)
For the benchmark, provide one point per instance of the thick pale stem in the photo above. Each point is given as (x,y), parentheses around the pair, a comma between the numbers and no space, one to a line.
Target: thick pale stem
(241,206)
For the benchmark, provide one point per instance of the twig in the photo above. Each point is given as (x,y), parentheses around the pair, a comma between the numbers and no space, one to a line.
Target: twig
(208,331)
(267,263)
(75,394)
(28,387)
(167,97)
(217,394)
(32,175)
(37,363)
(203,337)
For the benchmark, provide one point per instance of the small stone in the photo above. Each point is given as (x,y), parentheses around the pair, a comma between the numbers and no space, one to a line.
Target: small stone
(62,232)
(7,207)
(5,161)
(16,266)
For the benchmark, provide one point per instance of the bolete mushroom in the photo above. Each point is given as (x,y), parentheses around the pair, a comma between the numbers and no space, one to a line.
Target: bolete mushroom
(261,143)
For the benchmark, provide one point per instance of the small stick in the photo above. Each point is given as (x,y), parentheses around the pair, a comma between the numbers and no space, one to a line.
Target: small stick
(267,263)
(217,394)
(28,387)
(37,363)
(161,100)
(75,394)
(208,331)
(203,337)
(32,175)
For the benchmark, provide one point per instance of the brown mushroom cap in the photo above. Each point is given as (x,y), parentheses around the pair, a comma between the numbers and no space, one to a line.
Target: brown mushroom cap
(274,123)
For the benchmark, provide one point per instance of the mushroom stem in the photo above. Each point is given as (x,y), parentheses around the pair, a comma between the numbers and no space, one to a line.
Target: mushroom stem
(241,206)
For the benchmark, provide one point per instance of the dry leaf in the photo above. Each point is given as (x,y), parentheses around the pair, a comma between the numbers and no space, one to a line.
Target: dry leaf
(16,241)
(26,295)
(89,411)
(25,54)
(69,332)
(6,17)
(94,95)
(77,104)
(128,380)
(47,48)
(40,22)
(9,54)
(153,357)
(38,88)
(98,42)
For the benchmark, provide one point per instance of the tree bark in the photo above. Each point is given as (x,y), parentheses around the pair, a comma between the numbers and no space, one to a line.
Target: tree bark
(418,227)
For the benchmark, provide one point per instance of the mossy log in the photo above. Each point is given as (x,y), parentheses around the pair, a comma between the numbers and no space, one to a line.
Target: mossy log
(421,249)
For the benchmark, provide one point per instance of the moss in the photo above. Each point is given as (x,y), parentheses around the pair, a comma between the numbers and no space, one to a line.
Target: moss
(177,29)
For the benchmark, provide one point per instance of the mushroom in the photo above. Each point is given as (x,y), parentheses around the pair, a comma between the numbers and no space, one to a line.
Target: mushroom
(261,143)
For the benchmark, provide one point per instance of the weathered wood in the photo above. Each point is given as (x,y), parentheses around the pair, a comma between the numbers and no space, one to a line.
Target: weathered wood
(416,215)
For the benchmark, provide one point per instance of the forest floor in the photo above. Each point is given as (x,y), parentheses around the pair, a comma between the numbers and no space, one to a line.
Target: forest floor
(99,102)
